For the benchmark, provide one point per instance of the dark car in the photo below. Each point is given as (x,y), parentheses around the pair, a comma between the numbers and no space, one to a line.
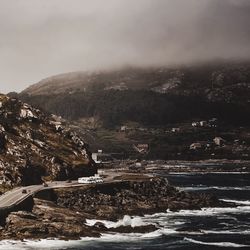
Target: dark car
(45,184)
(24,191)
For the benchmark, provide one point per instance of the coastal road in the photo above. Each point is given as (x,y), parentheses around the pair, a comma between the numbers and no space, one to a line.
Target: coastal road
(17,195)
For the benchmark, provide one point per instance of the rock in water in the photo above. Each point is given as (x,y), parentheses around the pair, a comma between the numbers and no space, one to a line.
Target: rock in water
(35,147)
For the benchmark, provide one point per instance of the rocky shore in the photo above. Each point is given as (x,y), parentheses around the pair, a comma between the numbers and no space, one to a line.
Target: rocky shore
(62,213)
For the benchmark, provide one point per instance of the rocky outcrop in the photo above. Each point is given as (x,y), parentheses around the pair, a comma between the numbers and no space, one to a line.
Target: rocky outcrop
(65,215)
(134,197)
(50,221)
(45,221)
(35,147)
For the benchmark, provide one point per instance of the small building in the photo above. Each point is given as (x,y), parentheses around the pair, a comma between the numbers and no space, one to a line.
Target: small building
(123,128)
(141,148)
(195,146)
(237,141)
(138,166)
(101,157)
(219,141)
(203,123)
(195,124)
(175,130)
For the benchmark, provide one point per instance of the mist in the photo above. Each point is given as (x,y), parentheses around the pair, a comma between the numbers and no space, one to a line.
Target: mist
(40,38)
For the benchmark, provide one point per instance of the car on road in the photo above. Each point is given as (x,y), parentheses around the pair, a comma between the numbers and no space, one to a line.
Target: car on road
(45,184)
(24,191)
(90,180)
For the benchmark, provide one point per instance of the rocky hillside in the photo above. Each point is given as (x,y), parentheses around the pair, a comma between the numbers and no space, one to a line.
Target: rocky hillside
(124,79)
(206,78)
(151,96)
(35,147)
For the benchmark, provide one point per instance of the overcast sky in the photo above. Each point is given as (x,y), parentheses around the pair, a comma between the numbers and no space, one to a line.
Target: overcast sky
(40,38)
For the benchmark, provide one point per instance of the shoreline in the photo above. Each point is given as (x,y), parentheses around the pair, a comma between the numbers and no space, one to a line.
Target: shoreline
(62,213)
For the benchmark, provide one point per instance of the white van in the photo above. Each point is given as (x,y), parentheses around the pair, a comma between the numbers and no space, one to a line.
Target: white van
(91,179)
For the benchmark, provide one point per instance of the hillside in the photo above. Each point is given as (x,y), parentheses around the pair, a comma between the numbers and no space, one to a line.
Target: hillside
(35,147)
(124,79)
(208,77)
(149,103)
(150,96)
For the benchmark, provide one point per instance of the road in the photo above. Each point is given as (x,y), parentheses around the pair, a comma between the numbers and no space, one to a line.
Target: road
(16,195)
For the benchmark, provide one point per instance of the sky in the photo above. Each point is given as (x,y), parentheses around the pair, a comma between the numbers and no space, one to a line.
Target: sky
(41,38)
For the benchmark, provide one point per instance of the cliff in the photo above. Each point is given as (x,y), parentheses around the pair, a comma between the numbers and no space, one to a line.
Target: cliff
(35,147)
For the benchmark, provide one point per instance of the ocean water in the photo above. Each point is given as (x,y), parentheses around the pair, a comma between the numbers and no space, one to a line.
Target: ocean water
(209,228)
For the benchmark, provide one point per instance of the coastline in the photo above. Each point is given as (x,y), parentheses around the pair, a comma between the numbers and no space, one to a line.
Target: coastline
(63,213)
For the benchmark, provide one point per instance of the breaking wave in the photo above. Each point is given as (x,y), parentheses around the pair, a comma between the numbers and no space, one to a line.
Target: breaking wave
(219,244)
(207,173)
(202,188)
(235,232)
(211,211)
(239,202)
(126,221)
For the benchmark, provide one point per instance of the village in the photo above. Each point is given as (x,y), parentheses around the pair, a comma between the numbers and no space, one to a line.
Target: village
(194,140)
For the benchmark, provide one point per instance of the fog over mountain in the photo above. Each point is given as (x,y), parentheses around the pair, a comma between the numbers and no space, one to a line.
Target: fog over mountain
(40,38)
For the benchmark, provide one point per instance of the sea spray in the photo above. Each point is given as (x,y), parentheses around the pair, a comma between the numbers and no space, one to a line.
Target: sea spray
(125,221)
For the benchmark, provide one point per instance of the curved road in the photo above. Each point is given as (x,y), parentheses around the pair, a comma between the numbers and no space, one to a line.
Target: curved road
(16,195)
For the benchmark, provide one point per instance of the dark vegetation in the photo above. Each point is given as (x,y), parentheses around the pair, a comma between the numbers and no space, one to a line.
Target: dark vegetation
(151,96)
(150,102)
(146,107)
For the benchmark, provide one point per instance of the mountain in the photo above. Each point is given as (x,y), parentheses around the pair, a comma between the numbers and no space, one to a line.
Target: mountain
(35,147)
(124,79)
(149,96)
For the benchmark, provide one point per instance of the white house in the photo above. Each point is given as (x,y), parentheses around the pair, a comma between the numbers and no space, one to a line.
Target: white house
(195,146)
(218,141)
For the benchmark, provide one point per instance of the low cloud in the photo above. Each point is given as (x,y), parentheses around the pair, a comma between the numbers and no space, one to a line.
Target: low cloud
(40,38)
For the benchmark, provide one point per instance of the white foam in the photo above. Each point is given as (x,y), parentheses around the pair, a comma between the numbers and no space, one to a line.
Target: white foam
(166,222)
(219,244)
(210,211)
(120,237)
(136,236)
(42,244)
(240,202)
(160,232)
(242,232)
(200,188)
(205,173)
(126,221)
(156,215)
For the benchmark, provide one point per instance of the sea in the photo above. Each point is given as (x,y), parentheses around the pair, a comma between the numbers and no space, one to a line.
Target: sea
(205,229)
